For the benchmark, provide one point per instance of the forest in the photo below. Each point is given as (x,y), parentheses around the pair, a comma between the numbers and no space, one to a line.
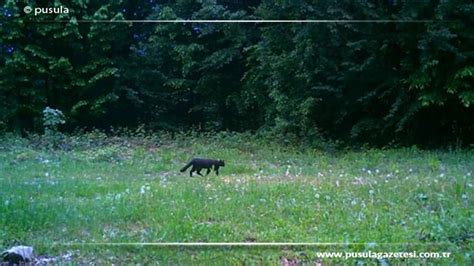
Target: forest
(325,130)
(406,78)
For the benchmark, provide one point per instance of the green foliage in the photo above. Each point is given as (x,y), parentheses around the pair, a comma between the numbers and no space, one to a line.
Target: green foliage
(52,118)
(66,65)
(367,82)
(193,70)
(377,83)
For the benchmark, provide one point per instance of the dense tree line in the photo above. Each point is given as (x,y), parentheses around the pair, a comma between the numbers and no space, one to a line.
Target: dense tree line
(380,82)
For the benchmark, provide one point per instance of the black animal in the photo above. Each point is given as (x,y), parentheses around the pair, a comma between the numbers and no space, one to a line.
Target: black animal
(199,164)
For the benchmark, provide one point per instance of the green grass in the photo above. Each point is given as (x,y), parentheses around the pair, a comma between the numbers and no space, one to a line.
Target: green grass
(130,190)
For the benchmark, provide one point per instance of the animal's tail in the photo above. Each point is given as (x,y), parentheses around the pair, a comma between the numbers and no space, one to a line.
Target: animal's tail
(186,167)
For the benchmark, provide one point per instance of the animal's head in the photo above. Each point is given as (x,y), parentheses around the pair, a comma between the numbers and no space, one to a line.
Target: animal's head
(221,163)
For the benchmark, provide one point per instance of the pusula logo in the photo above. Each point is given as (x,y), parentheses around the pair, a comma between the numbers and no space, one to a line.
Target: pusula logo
(46,10)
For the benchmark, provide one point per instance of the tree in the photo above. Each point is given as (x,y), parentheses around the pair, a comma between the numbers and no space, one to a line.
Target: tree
(70,66)
(193,70)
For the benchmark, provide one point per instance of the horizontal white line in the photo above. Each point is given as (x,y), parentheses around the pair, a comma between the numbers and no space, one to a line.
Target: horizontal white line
(237,244)
(241,21)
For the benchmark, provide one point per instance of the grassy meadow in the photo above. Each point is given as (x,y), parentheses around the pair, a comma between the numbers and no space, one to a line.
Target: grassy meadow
(97,189)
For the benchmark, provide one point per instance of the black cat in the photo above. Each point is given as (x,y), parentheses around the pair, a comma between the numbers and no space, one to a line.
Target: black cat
(199,164)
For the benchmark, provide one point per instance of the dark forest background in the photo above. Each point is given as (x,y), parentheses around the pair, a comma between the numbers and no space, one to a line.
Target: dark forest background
(376,83)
